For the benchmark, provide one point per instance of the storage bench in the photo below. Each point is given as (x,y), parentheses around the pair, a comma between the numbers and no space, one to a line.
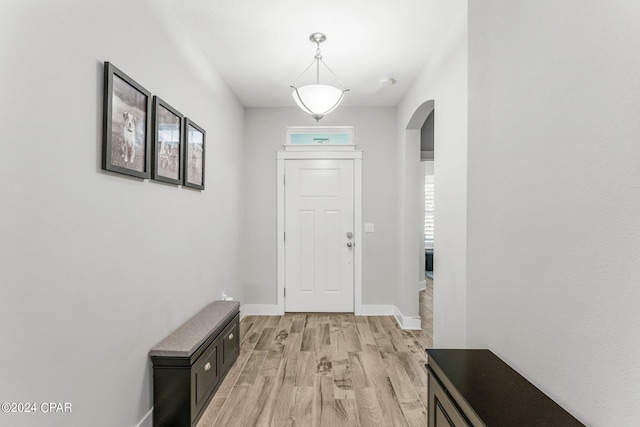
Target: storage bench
(476,388)
(190,364)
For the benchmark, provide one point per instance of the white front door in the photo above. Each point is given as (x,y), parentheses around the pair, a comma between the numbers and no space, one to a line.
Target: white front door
(319,239)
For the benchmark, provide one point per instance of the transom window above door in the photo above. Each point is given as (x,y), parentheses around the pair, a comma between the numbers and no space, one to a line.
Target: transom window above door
(299,137)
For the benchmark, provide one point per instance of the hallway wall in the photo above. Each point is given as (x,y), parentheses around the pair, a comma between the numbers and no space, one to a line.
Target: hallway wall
(554,200)
(96,268)
(265,130)
(444,81)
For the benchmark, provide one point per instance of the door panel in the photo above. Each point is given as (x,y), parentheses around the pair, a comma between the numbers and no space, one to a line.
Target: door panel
(319,212)
(306,255)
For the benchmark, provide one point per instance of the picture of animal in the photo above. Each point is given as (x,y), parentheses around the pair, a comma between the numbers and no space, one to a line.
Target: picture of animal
(168,143)
(168,158)
(129,138)
(128,126)
(194,156)
(195,165)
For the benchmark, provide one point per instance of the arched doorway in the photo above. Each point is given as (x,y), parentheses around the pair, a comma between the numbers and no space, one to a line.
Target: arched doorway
(419,147)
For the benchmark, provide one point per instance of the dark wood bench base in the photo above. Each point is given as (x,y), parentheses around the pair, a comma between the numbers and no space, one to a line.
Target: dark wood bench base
(190,364)
(476,388)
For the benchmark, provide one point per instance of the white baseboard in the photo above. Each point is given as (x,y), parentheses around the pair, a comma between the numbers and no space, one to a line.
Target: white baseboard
(146,421)
(260,310)
(405,322)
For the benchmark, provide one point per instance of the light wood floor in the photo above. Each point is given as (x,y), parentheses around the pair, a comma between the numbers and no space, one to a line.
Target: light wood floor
(326,370)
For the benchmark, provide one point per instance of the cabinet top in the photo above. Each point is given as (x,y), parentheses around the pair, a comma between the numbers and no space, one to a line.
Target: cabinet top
(488,389)
(184,341)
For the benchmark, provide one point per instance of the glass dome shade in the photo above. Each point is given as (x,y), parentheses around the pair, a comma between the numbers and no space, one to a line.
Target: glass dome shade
(317,99)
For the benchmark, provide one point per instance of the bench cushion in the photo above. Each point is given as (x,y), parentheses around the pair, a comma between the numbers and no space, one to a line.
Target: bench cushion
(184,341)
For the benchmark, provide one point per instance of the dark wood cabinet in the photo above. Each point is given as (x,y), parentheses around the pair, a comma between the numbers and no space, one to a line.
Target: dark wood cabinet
(230,345)
(476,388)
(190,364)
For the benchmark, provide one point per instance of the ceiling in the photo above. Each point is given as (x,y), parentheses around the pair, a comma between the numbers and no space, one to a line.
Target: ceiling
(260,47)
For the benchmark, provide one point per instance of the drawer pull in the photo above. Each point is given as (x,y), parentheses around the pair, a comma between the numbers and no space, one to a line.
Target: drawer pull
(230,336)
(207,366)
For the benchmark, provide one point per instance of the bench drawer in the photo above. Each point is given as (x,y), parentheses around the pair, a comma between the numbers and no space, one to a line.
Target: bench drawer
(230,343)
(206,374)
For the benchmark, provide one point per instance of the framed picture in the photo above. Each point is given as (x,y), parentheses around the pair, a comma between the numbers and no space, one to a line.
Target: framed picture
(127,111)
(194,155)
(167,145)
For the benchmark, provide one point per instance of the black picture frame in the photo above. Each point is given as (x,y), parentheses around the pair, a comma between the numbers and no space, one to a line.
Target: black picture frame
(126,124)
(194,155)
(167,144)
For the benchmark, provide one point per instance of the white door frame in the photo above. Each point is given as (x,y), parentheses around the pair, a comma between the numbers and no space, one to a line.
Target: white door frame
(321,153)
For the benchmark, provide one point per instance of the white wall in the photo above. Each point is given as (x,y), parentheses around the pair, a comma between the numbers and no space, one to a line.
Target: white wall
(265,130)
(444,81)
(95,267)
(554,198)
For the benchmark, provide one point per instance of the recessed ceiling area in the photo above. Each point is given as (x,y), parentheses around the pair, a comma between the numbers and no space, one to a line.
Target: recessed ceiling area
(260,47)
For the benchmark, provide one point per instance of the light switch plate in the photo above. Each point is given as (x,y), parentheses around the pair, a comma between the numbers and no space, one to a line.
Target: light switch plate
(369,228)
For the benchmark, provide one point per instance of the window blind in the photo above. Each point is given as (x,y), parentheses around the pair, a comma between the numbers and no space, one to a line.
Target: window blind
(428,211)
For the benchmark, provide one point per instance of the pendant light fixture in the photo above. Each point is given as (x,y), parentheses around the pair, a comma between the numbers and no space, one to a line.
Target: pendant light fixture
(318,99)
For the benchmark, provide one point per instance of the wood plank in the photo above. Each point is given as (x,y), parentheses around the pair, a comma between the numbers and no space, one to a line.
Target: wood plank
(245,327)
(402,386)
(375,373)
(264,342)
(306,369)
(391,413)
(322,410)
(308,339)
(298,323)
(365,335)
(272,321)
(415,347)
(251,368)
(383,341)
(234,373)
(423,392)
(279,383)
(256,400)
(324,364)
(414,412)
(393,331)
(351,338)
(343,387)
(323,318)
(292,345)
(369,410)
(253,335)
(415,370)
(358,377)
(212,412)
(271,363)
(302,408)
(229,412)
(284,392)
(336,334)
(347,412)
(311,320)
(282,333)
(323,336)
(353,371)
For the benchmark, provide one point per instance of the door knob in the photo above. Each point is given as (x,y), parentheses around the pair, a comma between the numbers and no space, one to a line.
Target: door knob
(349,244)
